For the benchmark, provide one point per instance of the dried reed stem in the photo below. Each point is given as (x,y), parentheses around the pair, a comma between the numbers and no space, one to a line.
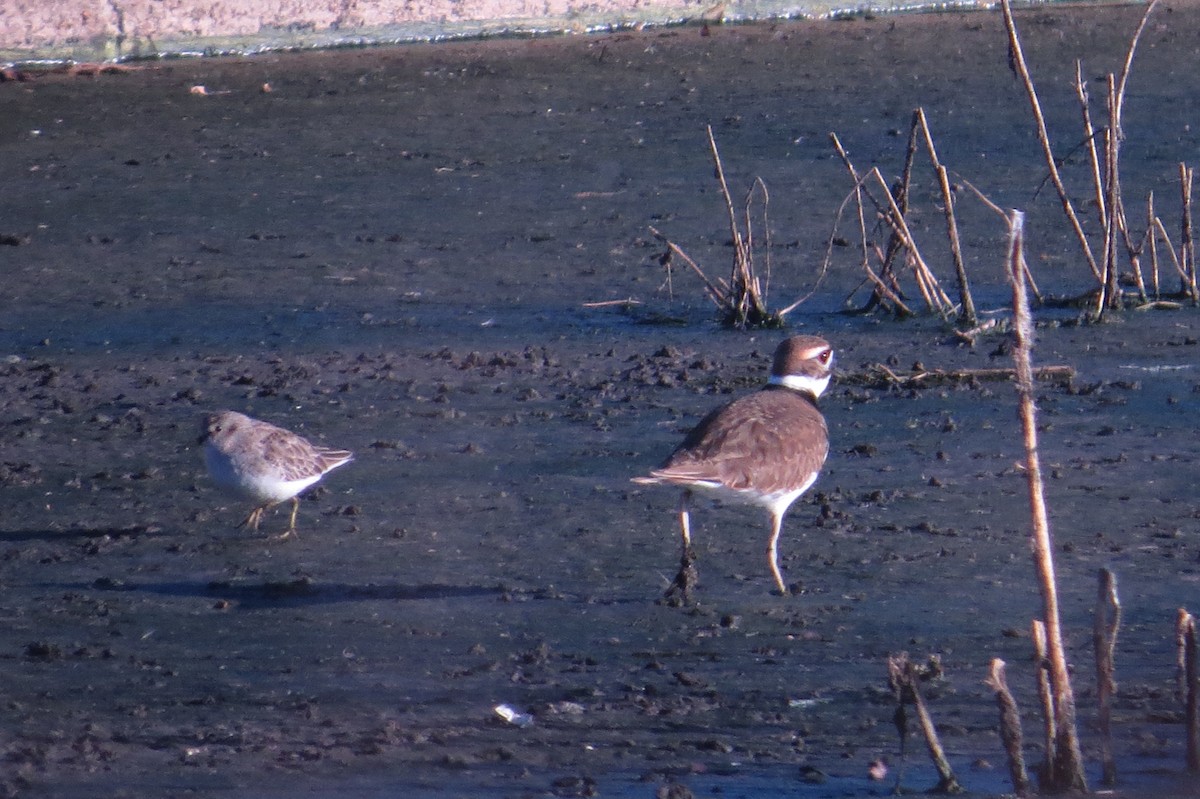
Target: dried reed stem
(1045,699)
(1180,269)
(1010,729)
(1185,636)
(881,375)
(1116,134)
(860,189)
(1106,623)
(1152,243)
(935,298)
(1187,245)
(744,300)
(966,311)
(714,291)
(1110,292)
(1017,61)
(1089,132)
(1066,770)
(903,676)
(886,291)
(983,198)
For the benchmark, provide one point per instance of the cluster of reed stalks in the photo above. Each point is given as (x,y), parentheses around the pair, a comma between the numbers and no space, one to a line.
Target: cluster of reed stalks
(1125,265)
(1128,265)
(1062,766)
(741,300)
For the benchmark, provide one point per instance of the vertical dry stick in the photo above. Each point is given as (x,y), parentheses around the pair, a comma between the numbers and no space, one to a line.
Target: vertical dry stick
(1112,150)
(1152,242)
(1161,230)
(966,312)
(967,316)
(1017,59)
(744,302)
(1010,729)
(1089,132)
(1128,65)
(1110,292)
(1181,622)
(759,185)
(1067,768)
(1106,623)
(1116,136)
(1046,699)
(1119,92)
(1192,695)
(1187,247)
(898,195)
(712,145)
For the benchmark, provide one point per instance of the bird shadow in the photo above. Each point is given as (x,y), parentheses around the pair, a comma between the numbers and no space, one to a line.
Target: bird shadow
(299,592)
(130,531)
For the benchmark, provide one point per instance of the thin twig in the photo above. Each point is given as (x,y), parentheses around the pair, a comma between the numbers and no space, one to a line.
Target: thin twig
(1081,93)
(886,291)
(1187,246)
(881,375)
(1105,626)
(608,303)
(1152,242)
(713,290)
(1179,267)
(934,296)
(1017,61)
(1032,284)
(966,315)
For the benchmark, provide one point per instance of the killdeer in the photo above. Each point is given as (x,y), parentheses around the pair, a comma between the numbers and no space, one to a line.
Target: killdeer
(264,463)
(763,449)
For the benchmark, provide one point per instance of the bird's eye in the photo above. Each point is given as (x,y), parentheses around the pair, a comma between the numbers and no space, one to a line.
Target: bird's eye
(825,357)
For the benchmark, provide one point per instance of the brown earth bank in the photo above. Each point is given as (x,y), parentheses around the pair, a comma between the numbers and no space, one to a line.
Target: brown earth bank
(396,251)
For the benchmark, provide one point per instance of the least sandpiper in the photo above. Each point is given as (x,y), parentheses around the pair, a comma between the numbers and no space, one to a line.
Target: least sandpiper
(264,463)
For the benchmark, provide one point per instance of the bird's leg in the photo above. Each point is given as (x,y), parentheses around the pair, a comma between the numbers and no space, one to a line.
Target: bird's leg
(292,524)
(773,551)
(254,519)
(680,591)
(685,520)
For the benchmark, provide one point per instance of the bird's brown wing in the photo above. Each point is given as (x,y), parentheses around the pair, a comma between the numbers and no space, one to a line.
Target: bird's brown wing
(770,440)
(294,457)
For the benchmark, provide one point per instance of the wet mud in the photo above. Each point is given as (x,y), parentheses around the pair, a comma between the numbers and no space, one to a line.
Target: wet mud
(398,252)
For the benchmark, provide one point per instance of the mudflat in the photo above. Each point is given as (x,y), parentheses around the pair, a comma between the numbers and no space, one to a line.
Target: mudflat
(411,253)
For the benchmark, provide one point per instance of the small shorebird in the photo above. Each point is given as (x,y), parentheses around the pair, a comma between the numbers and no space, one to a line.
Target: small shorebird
(764,449)
(264,463)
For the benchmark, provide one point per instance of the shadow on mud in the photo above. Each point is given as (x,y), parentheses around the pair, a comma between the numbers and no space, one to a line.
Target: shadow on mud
(294,593)
(131,531)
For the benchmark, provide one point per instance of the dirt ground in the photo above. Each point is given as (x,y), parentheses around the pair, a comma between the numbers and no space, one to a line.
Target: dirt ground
(395,251)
